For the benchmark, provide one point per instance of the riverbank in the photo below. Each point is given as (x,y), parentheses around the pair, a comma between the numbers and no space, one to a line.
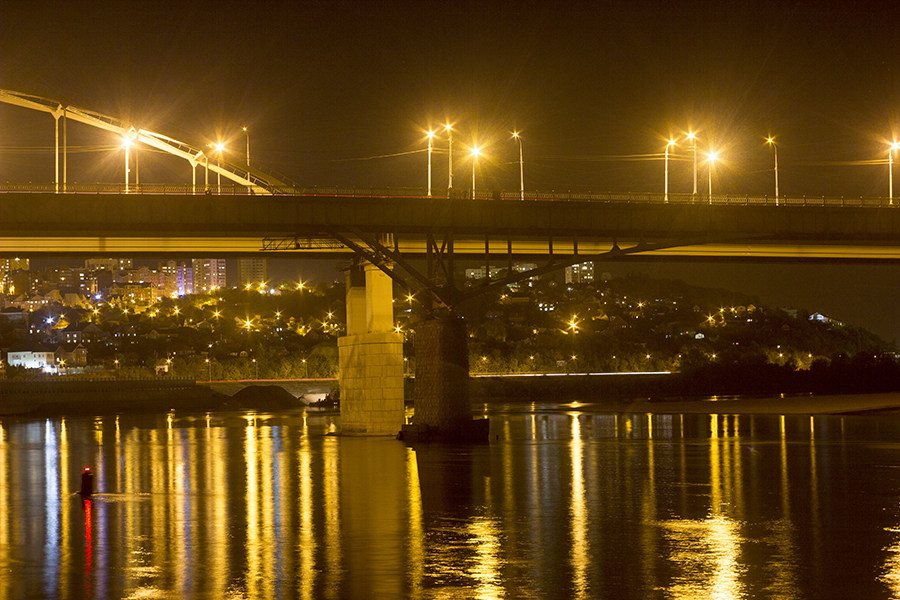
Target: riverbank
(845,404)
(608,393)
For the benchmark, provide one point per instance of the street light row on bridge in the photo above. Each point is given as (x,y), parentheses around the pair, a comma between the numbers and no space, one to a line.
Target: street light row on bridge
(476,152)
(712,156)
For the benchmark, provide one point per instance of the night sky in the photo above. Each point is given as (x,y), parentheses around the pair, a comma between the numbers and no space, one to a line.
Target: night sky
(342,93)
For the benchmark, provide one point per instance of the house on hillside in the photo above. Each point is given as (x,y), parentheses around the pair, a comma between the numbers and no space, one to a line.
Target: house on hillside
(817,316)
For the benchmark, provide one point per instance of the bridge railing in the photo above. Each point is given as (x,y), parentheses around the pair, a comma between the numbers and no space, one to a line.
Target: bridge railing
(533,196)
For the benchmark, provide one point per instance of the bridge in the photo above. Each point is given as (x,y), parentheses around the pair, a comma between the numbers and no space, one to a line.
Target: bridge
(386,231)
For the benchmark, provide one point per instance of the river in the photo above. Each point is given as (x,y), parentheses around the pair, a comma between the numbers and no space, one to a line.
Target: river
(564,502)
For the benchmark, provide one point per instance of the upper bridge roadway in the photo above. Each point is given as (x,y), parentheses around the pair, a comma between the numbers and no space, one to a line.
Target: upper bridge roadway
(38,224)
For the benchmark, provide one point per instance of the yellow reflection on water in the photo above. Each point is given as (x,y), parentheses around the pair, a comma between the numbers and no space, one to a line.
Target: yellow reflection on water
(266,457)
(416,557)
(66,516)
(486,571)
(217,478)
(706,556)
(332,489)
(252,500)
(578,513)
(891,568)
(307,538)
(649,542)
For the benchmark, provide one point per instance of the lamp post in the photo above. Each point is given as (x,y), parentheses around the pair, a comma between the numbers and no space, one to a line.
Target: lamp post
(450,156)
(712,159)
(430,149)
(305,370)
(256,366)
(219,148)
(474,165)
(893,147)
(127,145)
(775,150)
(693,139)
(247,133)
(668,145)
(208,371)
(521,167)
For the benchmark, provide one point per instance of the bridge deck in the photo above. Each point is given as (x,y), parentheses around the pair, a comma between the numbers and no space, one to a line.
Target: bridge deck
(37,224)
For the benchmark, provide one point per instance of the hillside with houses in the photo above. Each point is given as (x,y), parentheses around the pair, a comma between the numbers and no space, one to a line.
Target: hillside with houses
(581,324)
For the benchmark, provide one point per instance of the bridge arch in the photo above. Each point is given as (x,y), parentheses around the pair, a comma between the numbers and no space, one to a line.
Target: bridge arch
(255,180)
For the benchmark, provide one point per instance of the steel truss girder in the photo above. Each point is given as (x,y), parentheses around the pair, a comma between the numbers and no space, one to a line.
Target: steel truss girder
(440,258)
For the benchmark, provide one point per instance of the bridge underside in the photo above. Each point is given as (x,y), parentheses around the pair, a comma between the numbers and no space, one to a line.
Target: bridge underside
(416,246)
(47,224)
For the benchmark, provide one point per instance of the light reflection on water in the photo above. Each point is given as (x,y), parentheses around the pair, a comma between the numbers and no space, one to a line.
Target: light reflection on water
(564,502)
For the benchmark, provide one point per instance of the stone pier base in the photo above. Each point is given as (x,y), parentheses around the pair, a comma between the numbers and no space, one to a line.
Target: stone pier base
(442,410)
(371,383)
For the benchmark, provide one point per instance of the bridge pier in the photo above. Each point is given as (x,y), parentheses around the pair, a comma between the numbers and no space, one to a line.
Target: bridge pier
(442,405)
(370,357)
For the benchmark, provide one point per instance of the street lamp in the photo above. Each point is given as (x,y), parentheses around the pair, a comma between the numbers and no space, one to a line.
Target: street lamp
(521,167)
(127,145)
(256,365)
(450,155)
(305,370)
(430,149)
(668,145)
(893,147)
(693,139)
(712,159)
(209,371)
(475,153)
(247,133)
(219,147)
(775,150)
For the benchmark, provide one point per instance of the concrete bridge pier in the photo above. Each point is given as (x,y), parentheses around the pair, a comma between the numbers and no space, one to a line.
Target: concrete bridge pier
(443,412)
(370,357)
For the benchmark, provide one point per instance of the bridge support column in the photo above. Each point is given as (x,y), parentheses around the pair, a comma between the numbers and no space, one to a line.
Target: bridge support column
(442,385)
(370,357)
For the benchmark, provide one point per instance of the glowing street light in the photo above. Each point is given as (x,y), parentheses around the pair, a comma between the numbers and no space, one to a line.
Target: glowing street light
(521,167)
(127,145)
(775,150)
(450,155)
(693,139)
(475,153)
(668,145)
(219,148)
(430,149)
(893,147)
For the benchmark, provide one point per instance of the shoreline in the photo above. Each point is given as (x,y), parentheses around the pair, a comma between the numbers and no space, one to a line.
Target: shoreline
(122,396)
(845,404)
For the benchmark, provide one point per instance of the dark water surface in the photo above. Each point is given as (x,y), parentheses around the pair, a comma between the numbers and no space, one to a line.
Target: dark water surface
(563,502)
